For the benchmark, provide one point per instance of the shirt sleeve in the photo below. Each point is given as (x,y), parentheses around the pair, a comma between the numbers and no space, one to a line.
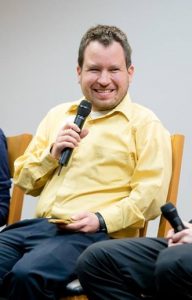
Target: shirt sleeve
(5,181)
(35,167)
(149,182)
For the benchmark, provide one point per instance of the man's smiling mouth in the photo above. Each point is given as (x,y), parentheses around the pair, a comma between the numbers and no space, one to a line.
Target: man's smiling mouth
(104,91)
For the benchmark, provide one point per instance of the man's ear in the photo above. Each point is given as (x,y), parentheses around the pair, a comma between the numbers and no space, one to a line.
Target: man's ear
(79,73)
(131,70)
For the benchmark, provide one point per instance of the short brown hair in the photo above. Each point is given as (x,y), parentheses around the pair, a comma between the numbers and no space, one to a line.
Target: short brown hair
(105,35)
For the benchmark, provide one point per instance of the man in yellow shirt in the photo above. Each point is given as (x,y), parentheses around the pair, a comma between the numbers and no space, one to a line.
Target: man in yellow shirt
(117,177)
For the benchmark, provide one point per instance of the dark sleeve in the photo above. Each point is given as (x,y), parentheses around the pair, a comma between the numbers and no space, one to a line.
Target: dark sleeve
(5,181)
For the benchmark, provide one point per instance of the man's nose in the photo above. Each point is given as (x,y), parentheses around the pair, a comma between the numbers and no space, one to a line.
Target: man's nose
(104,78)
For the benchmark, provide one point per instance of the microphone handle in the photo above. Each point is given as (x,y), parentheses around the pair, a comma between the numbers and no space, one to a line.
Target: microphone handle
(66,154)
(177,224)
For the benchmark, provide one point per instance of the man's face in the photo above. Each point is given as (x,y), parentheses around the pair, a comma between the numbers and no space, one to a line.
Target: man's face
(104,77)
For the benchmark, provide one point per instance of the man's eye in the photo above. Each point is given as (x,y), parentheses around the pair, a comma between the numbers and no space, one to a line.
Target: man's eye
(94,70)
(114,70)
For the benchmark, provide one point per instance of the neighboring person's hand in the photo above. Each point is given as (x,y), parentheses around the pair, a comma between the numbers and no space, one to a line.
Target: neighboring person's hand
(82,222)
(182,237)
(68,136)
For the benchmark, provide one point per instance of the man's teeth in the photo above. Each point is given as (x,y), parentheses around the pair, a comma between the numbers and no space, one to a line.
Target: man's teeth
(104,91)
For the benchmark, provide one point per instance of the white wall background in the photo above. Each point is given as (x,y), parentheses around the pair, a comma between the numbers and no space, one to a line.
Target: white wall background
(39,42)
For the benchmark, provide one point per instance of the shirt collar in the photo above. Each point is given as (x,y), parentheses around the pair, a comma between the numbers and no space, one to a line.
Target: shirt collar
(123,107)
(74,105)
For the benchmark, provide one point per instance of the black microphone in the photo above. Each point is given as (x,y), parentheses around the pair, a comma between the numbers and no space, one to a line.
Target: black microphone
(170,213)
(83,111)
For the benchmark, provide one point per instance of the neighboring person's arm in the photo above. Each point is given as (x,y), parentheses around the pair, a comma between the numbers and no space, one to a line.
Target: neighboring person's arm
(5,181)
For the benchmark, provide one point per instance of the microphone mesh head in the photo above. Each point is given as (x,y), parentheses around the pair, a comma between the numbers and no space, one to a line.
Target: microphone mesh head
(84,108)
(168,209)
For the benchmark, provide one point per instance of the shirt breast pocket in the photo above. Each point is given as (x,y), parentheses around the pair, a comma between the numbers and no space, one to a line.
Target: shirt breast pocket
(115,165)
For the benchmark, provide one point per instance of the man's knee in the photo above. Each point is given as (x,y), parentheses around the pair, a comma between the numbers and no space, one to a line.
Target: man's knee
(173,260)
(92,256)
(19,273)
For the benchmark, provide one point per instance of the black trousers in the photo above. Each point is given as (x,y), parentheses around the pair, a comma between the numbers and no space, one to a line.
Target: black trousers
(137,268)
(37,259)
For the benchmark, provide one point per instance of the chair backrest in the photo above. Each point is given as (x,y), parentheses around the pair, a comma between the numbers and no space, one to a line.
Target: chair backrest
(177,148)
(16,147)
(177,141)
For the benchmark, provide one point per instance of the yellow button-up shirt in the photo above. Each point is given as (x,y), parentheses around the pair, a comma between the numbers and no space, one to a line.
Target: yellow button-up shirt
(121,169)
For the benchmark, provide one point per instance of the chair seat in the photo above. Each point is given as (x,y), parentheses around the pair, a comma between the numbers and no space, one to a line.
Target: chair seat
(74,288)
